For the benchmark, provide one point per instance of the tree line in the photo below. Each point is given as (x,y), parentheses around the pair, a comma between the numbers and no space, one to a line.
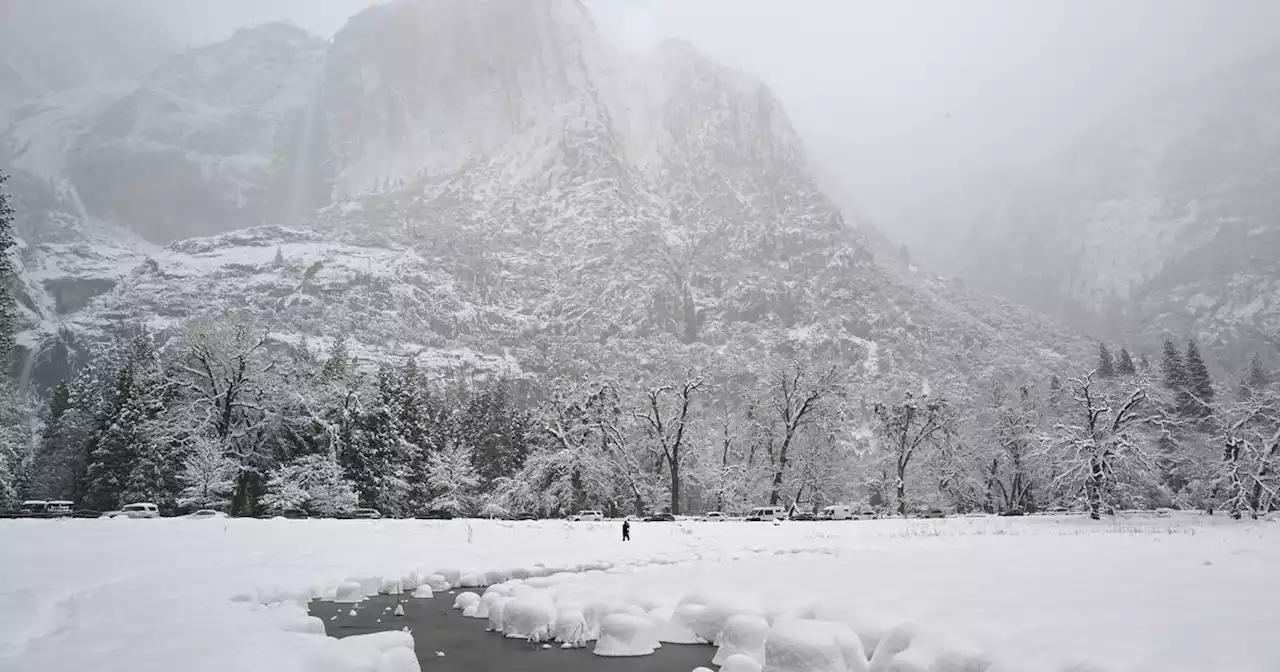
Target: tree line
(228,415)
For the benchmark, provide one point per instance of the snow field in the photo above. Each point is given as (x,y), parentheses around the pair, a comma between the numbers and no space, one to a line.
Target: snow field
(1143,594)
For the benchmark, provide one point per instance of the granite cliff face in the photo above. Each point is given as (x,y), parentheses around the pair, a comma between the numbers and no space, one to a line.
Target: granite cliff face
(486,184)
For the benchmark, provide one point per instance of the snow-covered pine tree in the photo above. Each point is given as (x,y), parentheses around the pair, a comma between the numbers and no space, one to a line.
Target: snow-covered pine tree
(313,484)
(1256,380)
(8,303)
(1124,363)
(1199,382)
(208,476)
(14,442)
(54,462)
(123,462)
(452,478)
(1175,377)
(1106,364)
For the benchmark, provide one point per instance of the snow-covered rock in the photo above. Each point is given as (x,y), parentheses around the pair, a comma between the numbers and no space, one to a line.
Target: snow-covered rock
(496,612)
(349,592)
(423,592)
(464,600)
(571,627)
(813,646)
(679,629)
(625,635)
(531,617)
(399,659)
(740,663)
(743,634)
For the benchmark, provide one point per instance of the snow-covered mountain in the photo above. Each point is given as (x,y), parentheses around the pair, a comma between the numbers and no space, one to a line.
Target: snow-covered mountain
(487,183)
(1161,221)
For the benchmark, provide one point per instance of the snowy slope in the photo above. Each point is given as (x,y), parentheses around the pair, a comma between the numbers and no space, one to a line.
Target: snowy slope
(1162,220)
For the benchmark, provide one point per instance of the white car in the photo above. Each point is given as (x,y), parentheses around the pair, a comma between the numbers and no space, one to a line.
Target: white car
(587,515)
(138,510)
(715,517)
(207,513)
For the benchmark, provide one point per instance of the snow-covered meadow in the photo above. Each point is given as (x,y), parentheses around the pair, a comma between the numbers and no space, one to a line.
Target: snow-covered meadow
(1167,594)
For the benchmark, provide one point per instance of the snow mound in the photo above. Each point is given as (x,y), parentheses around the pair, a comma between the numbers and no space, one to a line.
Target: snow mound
(496,576)
(380,641)
(464,600)
(424,592)
(679,629)
(710,621)
(399,659)
(349,592)
(481,609)
(624,635)
(439,582)
(800,645)
(740,663)
(911,649)
(521,573)
(571,627)
(390,587)
(743,634)
(496,611)
(531,617)
(472,580)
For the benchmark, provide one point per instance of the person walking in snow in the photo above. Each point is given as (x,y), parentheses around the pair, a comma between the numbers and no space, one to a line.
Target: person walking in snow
(626,530)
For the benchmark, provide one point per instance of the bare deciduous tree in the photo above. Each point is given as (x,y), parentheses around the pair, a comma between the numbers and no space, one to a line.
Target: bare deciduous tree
(906,428)
(666,418)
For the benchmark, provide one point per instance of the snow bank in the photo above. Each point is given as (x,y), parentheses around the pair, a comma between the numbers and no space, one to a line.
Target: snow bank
(741,663)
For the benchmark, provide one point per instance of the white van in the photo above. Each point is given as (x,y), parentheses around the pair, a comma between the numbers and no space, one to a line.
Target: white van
(836,512)
(587,515)
(767,513)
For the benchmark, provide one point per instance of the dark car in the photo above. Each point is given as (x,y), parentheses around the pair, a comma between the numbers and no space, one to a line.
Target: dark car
(366,514)
(803,516)
(437,514)
(661,518)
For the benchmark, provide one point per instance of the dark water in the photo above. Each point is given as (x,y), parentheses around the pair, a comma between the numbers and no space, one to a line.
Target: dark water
(468,648)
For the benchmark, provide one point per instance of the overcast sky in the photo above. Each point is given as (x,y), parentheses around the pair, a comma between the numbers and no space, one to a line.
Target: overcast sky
(901,98)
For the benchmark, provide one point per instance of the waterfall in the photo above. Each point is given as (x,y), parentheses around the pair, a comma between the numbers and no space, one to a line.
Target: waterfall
(298,190)
(28,365)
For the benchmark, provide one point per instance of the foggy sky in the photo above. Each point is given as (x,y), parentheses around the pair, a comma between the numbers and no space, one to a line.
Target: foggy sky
(898,99)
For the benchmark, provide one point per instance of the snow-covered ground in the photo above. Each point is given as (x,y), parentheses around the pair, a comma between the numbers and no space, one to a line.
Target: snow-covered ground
(1167,594)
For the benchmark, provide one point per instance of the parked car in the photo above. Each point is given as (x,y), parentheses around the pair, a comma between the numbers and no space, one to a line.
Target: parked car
(437,514)
(587,515)
(661,518)
(366,514)
(136,510)
(836,512)
(714,517)
(207,513)
(803,516)
(767,513)
(60,508)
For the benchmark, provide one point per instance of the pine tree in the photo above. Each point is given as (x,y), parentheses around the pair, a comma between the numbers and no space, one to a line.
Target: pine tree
(279,260)
(1257,379)
(1144,364)
(208,476)
(54,470)
(1106,365)
(125,462)
(8,303)
(1124,364)
(1199,382)
(1175,378)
